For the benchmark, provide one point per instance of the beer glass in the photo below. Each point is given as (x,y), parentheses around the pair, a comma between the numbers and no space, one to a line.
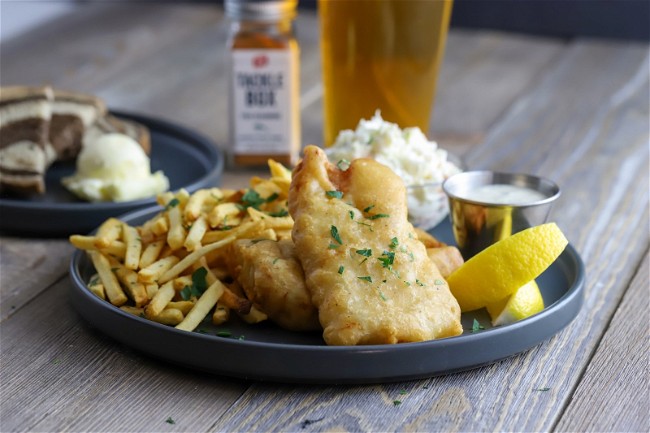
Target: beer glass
(380,54)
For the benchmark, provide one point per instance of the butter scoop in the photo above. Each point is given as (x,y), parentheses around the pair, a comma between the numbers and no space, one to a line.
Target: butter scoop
(114,168)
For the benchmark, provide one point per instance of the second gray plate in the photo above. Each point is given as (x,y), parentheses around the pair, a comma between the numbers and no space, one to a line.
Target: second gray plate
(267,352)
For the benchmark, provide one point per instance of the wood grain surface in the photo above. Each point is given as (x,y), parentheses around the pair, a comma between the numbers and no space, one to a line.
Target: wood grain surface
(574,111)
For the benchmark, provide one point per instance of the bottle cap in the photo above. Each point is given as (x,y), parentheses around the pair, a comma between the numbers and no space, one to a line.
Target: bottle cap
(261,10)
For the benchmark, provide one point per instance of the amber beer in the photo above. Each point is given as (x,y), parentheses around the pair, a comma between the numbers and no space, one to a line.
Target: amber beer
(380,54)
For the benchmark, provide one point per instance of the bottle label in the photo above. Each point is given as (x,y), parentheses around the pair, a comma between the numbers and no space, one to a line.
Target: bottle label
(261,101)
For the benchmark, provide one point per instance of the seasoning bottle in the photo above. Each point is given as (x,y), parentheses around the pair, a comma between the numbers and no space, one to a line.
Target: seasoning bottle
(264,82)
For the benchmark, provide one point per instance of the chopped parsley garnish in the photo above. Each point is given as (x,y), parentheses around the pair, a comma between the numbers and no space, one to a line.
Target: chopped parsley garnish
(251,198)
(378,215)
(387,258)
(275,260)
(351,215)
(393,243)
(367,252)
(365,224)
(332,246)
(396,402)
(280,213)
(242,337)
(343,164)
(402,392)
(335,234)
(226,334)
(169,420)
(419,283)
(476,326)
(541,389)
(199,284)
(341,269)
(438,282)
(366,210)
(367,278)
(382,296)
(334,194)
(172,203)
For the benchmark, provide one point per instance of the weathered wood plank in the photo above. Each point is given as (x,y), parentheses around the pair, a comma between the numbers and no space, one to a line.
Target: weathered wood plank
(602,107)
(613,394)
(28,266)
(58,374)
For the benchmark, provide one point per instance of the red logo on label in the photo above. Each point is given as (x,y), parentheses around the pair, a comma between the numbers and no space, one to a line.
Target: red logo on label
(260,61)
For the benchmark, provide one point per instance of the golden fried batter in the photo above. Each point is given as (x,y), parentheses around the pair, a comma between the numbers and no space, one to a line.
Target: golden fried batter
(367,272)
(270,275)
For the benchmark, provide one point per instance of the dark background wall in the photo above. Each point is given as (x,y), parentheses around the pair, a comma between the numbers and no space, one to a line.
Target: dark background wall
(618,19)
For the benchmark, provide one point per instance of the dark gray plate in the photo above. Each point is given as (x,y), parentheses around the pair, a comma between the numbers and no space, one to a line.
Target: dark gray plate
(266,352)
(188,159)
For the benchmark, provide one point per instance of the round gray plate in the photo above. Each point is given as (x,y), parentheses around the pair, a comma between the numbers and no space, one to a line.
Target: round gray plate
(188,159)
(266,352)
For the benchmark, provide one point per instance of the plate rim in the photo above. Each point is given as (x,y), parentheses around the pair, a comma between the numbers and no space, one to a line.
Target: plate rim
(566,308)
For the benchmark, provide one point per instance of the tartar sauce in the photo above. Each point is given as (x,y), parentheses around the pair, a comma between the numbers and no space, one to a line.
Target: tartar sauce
(504,194)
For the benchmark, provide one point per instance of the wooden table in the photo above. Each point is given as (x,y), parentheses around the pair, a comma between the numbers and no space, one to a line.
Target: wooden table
(575,111)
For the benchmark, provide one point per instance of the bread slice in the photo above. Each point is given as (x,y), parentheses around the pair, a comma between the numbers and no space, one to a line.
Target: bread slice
(72,114)
(25,114)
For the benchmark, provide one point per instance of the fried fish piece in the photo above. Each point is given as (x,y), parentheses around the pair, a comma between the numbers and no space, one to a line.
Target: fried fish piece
(367,272)
(270,275)
(446,258)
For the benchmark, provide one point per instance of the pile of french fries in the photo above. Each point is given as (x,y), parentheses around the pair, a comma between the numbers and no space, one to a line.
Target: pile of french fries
(171,269)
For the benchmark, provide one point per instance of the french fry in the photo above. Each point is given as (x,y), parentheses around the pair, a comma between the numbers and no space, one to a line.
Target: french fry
(279,223)
(153,272)
(114,292)
(131,238)
(195,255)
(95,285)
(109,231)
(221,314)
(183,306)
(151,290)
(132,286)
(132,310)
(198,229)
(202,307)
(180,282)
(253,316)
(278,170)
(169,316)
(195,204)
(224,213)
(160,300)
(116,248)
(234,302)
(151,253)
(176,233)
(160,226)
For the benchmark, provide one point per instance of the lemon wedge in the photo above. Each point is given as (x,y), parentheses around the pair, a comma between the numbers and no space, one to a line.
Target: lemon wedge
(499,270)
(526,301)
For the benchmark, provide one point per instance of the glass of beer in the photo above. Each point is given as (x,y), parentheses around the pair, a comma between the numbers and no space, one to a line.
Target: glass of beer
(380,55)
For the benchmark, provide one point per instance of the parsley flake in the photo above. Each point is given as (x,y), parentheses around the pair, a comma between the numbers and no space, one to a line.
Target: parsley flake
(476,326)
(387,258)
(438,282)
(382,296)
(225,334)
(367,252)
(351,215)
(419,283)
(280,213)
(341,269)
(366,210)
(396,402)
(334,194)
(252,198)
(169,420)
(541,389)
(172,203)
(343,164)
(393,243)
(335,234)
(378,215)
(367,278)
(275,260)
(332,246)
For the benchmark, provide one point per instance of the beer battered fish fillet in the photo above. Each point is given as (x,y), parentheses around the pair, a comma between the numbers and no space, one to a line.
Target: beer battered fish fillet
(368,275)
(270,275)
